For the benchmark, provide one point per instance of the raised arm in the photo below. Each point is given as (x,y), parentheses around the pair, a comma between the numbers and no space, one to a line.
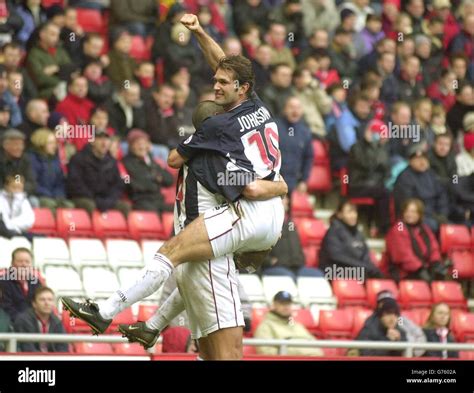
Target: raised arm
(261,190)
(210,48)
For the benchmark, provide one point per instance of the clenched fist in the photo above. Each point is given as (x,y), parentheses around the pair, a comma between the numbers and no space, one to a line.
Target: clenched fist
(191,21)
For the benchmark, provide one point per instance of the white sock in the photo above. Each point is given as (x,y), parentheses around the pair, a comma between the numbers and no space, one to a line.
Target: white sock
(151,278)
(169,310)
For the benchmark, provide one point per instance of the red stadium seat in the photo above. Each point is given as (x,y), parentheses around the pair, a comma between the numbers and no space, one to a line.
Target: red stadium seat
(320,180)
(311,256)
(466,355)
(454,237)
(344,175)
(334,352)
(423,315)
(360,315)
(463,326)
(311,231)
(74,325)
(144,225)
(169,195)
(140,50)
(73,222)
(336,323)
(304,316)
(258,314)
(90,20)
(45,223)
(146,311)
(110,224)
(381,261)
(301,205)
(129,349)
(449,292)
(249,350)
(463,263)
(414,293)
(375,285)
(349,293)
(321,152)
(93,349)
(412,315)
(126,316)
(167,218)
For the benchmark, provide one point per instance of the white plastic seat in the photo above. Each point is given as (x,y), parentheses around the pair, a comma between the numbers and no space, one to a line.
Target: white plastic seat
(64,281)
(50,251)
(253,287)
(315,290)
(124,253)
(99,282)
(87,252)
(20,241)
(149,248)
(8,245)
(274,284)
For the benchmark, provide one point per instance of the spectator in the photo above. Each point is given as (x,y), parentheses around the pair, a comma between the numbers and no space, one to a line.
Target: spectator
(49,177)
(400,119)
(7,96)
(344,246)
(348,128)
(464,104)
(318,40)
(383,325)
(442,90)
(319,14)
(40,319)
(146,176)
(461,43)
(419,181)
(442,159)
(339,105)
(261,66)
(412,249)
(287,258)
(174,15)
(15,88)
(369,35)
(121,66)
(71,33)
(409,83)
(438,120)
(19,283)
(290,13)
(458,64)
(125,110)
(322,70)
(4,117)
(76,107)
(16,215)
(5,322)
(342,54)
(348,19)
(14,161)
(49,64)
(145,75)
(139,18)
(92,50)
(279,324)
(465,159)
(100,88)
(315,101)
(437,330)
(416,11)
(250,39)
(275,94)
(232,46)
(369,168)
(430,62)
(204,14)
(295,146)
(94,180)
(390,12)
(33,15)
(422,111)
(368,61)
(37,114)
(361,8)
(442,10)
(250,11)
(276,38)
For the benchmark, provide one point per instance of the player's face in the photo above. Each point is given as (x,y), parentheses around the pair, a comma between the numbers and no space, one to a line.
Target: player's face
(226,89)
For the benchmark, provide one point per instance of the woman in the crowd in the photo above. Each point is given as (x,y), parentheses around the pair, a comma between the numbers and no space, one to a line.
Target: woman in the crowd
(437,330)
(47,170)
(412,249)
(344,245)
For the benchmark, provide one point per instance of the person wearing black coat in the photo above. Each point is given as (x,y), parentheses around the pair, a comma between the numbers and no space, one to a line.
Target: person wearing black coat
(344,245)
(94,180)
(437,330)
(40,319)
(419,181)
(146,176)
(383,325)
(463,105)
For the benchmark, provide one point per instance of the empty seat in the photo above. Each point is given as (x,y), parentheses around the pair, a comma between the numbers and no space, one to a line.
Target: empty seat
(146,311)
(320,179)
(93,348)
(311,255)
(463,326)
(87,252)
(124,253)
(45,224)
(463,263)
(414,293)
(50,251)
(321,153)
(139,50)
(304,316)
(169,195)
(144,225)
(64,281)
(311,230)
(253,287)
(301,206)
(109,224)
(124,317)
(360,315)
(375,285)
(99,282)
(453,237)
(73,222)
(336,323)
(349,293)
(167,219)
(150,247)
(315,290)
(74,325)
(449,292)
(90,20)
(128,349)
(249,350)
(274,284)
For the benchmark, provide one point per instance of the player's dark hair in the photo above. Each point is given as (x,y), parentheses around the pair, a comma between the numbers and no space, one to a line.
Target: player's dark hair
(242,69)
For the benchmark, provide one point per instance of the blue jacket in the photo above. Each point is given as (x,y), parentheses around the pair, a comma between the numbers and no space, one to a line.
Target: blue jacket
(16,117)
(296,151)
(48,175)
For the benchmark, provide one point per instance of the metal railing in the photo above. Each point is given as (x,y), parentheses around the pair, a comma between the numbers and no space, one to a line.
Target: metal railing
(407,348)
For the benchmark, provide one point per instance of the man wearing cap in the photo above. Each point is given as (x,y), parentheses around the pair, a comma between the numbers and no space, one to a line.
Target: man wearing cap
(383,325)
(280,325)
(94,180)
(342,53)
(146,176)
(4,116)
(419,181)
(13,160)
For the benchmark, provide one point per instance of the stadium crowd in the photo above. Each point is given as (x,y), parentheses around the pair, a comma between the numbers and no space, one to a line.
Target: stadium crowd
(89,113)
